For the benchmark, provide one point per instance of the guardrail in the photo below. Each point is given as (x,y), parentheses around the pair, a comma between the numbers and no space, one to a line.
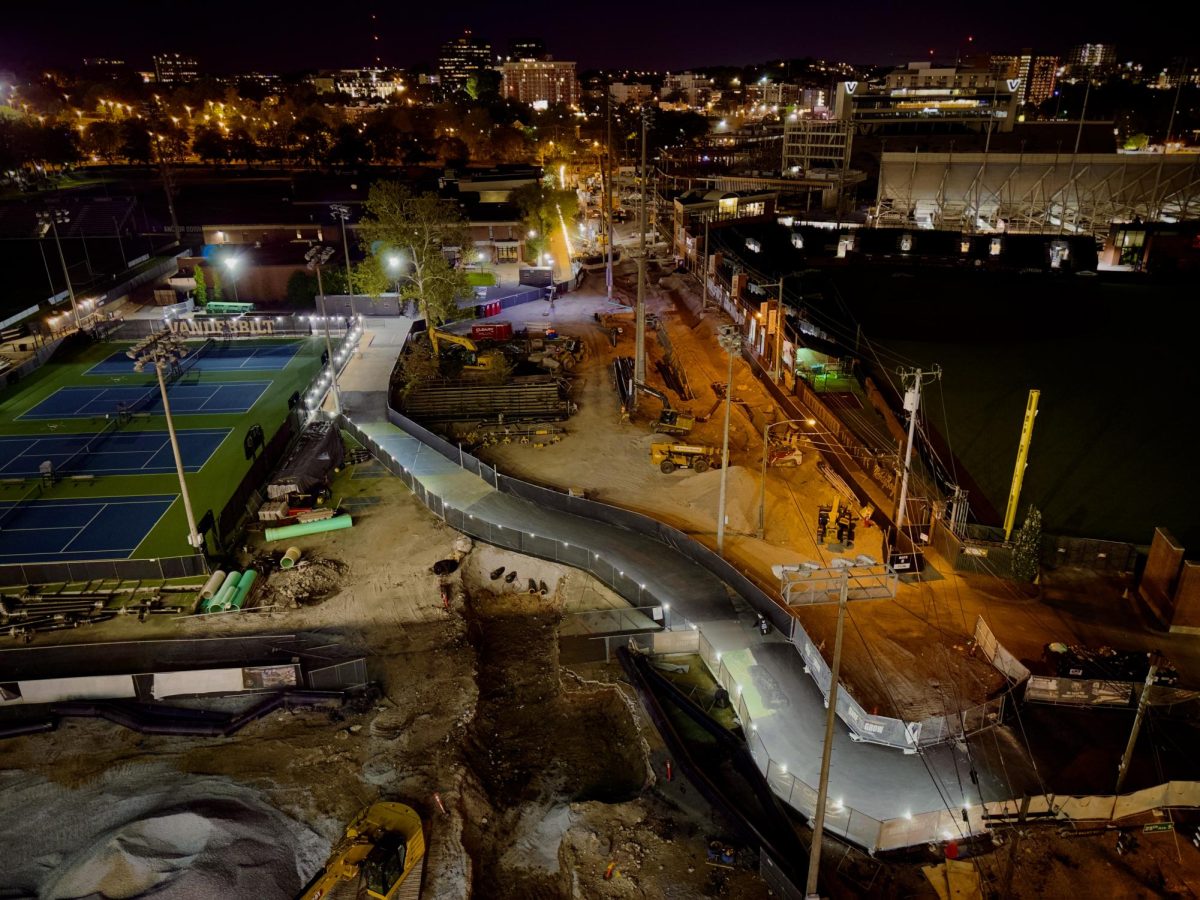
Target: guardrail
(854,825)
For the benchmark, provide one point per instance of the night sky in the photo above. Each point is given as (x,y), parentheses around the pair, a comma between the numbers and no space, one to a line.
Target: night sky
(673,34)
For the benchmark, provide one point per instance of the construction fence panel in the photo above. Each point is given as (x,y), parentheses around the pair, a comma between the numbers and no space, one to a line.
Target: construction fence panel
(340,676)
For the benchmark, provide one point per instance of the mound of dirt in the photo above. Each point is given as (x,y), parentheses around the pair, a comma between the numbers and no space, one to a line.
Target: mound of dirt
(702,493)
(309,582)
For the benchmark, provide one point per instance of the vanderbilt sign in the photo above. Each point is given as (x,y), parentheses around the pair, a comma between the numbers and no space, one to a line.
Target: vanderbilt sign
(208,327)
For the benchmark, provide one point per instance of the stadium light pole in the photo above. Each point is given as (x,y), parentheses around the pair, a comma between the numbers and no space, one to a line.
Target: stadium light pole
(161,349)
(50,219)
(231,263)
(342,212)
(316,258)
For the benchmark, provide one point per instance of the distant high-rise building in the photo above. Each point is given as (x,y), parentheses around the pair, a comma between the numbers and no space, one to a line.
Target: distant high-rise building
(528,48)
(696,88)
(462,58)
(1043,75)
(104,67)
(1092,59)
(175,68)
(1007,67)
(540,83)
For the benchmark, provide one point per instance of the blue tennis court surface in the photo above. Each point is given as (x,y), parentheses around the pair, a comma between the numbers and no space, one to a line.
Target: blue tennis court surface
(234,358)
(125,453)
(92,528)
(186,399)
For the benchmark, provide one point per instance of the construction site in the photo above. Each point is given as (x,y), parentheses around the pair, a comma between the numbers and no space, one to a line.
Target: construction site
(582,599)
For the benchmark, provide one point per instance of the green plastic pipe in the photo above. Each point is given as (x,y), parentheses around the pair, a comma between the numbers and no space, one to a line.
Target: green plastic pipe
(291,531)
(220,600)
(242,591)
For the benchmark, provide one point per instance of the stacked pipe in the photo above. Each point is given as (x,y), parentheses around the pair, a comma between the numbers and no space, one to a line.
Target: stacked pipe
(232,593)
(623,373)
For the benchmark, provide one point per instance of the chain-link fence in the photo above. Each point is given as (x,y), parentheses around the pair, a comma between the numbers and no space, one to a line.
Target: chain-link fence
(96,570)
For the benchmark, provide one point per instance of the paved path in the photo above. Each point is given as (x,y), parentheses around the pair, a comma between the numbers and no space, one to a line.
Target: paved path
(785,705)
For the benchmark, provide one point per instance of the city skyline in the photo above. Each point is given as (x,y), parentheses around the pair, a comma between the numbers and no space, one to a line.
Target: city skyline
(660,39)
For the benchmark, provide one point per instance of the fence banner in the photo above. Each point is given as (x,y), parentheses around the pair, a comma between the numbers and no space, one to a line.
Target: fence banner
(1079,692)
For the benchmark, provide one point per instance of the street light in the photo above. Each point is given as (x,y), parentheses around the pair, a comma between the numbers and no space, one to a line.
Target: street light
(731,342)
(394,262)
(50,219)
(165,349)
(317,257)
(231,263)
(762,487)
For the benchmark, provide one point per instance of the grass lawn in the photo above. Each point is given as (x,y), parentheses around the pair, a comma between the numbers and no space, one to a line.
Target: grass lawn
(210,488)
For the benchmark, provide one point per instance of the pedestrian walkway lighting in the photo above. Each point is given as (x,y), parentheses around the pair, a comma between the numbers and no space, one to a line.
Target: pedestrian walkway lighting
(316,257)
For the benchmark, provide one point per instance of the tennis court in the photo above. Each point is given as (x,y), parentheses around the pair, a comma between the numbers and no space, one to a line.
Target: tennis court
(186,399)
(237,357)
(124,453)
(78,529)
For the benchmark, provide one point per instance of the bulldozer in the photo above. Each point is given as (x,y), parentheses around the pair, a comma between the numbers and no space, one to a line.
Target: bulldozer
(381,857)
(669,457)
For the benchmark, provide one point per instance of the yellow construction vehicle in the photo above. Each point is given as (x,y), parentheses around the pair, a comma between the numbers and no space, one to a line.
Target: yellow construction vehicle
(465,355)
(669,457)
(381,856)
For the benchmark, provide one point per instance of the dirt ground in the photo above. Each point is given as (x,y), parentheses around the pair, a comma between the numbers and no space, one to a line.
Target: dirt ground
(906,657)
(546,776)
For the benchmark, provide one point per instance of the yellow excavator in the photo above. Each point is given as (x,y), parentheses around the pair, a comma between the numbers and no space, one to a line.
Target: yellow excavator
(466,357)
(381,856)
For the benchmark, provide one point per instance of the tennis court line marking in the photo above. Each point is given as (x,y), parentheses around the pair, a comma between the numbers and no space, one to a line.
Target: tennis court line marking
(157,450)
(84,527)
(149,454)
(151,529)
(133,499)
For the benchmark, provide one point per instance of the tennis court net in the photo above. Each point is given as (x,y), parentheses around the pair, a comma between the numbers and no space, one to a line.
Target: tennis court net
(111,424)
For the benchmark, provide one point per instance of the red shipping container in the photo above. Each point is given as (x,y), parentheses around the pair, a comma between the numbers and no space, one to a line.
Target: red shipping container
(496,331)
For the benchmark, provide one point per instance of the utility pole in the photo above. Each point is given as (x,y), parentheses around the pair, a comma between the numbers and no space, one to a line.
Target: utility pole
(1143,702)
(168,187)
(818,820)
(778,352)
(1014,493)
(912,403)
(639,351)
(731,343)
(1156,206)
(608,201)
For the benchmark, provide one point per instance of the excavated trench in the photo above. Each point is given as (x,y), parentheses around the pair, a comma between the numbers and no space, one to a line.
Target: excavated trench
(534,747)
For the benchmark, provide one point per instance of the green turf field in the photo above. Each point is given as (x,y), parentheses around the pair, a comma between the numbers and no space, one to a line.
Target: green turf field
(210,488)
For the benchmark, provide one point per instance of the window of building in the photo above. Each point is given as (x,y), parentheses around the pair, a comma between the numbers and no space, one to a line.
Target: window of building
(753,209)
(506,253)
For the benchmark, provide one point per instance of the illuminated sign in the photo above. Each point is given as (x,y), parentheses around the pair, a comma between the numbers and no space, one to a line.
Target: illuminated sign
(1013,84)
(851,87)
